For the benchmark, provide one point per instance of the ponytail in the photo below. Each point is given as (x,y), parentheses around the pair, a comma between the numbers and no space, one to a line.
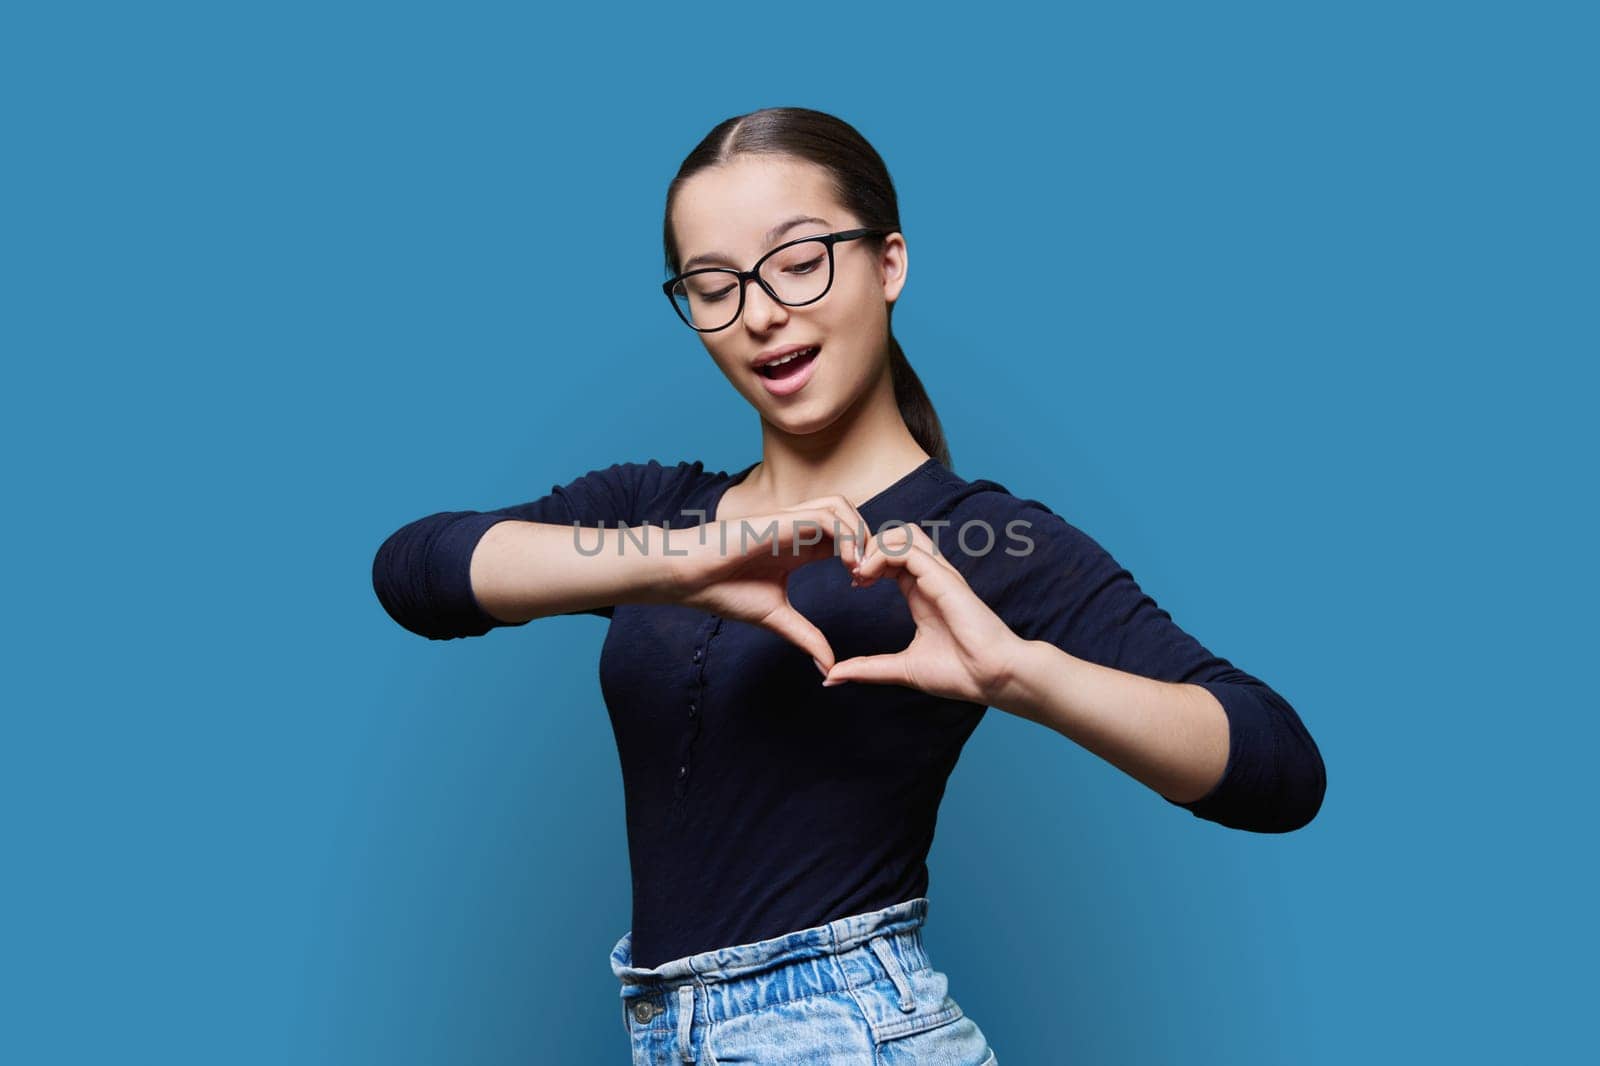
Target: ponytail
(915,407)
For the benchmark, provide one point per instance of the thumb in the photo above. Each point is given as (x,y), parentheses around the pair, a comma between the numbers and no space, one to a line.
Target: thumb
(794,627)
(874,669)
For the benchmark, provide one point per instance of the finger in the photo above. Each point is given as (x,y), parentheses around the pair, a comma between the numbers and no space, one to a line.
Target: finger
(849,511)
(804,533)
(835,535)
(918,573)
(798,630)
(847,529)
(873,669)
(920,562)
(896,538)
(858,530)
(892,539)
(921,539)
(894,543)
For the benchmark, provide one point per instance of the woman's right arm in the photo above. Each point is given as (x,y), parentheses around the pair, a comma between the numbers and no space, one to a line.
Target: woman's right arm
(526,570)
(462,573)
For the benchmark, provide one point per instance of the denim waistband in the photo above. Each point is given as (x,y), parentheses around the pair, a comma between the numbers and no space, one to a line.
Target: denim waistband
(802,963)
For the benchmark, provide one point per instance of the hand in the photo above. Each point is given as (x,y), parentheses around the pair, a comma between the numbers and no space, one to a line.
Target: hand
(743,573)
(961,649)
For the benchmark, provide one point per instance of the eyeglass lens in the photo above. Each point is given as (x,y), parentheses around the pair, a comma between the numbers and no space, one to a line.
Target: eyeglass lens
(799,274)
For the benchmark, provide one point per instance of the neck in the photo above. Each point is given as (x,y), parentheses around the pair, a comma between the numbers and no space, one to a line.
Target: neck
(867,449)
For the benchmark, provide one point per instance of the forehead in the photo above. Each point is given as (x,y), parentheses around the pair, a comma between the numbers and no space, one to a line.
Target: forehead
(727,208)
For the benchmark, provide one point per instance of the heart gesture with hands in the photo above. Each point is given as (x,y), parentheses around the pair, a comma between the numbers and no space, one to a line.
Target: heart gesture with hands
(739,567)
(961,648)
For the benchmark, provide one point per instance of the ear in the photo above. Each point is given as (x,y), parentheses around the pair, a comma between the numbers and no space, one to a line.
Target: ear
(892,264)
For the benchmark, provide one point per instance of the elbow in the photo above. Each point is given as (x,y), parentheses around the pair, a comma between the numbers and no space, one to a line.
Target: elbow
(1302,778)
(1291,806)
(1303,797)
(410,579)
(1275,779)
(393,582)
(1298,805)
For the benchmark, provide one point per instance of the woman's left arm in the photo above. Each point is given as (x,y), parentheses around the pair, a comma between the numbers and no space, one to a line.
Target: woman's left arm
(1134,689)
(1173,737)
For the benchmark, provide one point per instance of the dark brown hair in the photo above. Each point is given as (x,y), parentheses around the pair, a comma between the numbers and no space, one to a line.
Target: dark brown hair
(860,183)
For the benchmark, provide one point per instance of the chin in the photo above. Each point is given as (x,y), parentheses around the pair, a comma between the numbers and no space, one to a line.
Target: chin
(804,420)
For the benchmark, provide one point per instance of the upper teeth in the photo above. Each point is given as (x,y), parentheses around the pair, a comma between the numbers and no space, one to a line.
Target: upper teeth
(790,357)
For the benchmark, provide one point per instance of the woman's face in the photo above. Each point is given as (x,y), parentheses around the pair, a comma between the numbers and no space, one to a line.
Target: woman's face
(727,214)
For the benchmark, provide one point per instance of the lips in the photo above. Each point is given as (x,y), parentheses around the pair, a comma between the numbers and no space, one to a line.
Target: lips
(789,373)
(787,365)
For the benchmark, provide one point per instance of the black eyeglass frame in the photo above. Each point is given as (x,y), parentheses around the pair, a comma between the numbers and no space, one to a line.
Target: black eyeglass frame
(754,274)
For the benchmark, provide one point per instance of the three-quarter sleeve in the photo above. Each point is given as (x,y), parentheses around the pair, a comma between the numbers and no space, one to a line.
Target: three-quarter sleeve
(422,571)
(1067,590)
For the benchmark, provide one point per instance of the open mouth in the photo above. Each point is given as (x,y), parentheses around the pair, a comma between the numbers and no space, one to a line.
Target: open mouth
(790,365)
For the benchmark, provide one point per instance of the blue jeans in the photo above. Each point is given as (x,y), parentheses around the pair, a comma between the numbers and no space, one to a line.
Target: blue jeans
(858,991)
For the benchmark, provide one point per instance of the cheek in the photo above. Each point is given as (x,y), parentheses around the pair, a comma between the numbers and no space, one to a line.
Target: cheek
(860,312)
(857,330)
(728,364)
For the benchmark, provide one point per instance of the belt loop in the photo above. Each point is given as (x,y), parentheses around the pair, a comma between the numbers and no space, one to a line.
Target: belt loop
(896,974)
(685,1020)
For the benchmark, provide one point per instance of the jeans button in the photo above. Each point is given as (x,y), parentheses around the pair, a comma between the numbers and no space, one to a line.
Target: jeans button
(643,1011)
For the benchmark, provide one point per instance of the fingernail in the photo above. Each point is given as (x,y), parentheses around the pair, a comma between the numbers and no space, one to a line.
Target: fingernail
(820,668)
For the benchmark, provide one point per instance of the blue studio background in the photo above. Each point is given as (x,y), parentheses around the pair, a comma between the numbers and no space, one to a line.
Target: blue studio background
(1293,309)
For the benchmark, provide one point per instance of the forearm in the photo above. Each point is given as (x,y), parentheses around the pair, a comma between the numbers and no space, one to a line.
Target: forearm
(525,570)
(1172,737)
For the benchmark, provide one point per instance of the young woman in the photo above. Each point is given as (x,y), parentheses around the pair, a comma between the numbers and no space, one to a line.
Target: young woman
(798,651)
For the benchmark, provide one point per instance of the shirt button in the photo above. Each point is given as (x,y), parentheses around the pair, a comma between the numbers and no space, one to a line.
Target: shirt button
(692,708)
(643,1011)
(697,655)
(683,771)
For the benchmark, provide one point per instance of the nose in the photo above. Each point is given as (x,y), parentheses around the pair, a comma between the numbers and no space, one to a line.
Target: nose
(761,311)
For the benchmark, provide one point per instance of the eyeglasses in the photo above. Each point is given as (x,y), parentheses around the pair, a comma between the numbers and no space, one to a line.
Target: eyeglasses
(795,273)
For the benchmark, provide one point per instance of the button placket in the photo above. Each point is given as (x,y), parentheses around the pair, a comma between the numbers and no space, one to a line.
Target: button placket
(696,696)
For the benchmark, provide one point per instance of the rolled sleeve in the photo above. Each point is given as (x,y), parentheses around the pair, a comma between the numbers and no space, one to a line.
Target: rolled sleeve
(422,571)
(1070,592)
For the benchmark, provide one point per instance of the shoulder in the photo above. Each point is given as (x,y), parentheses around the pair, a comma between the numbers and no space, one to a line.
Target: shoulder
(650,475)
(997,537)
(983,502)
(654,490)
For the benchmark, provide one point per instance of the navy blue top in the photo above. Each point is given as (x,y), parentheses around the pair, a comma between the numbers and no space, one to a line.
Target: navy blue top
(759,802)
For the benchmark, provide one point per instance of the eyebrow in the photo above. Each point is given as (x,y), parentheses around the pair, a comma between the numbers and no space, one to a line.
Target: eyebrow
(771,235)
